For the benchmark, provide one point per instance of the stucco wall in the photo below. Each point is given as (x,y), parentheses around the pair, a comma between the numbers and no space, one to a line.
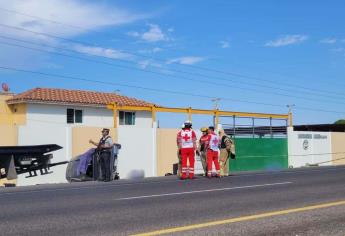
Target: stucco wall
(138,153)
(81,136)
(309,148)
(338,148)
(47,134)
(8,135)
(6,117)
(94,117)
(11,114)
(166,150)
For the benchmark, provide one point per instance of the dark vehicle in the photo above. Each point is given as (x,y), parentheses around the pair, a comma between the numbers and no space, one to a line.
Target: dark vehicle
(15,160)
(86,167)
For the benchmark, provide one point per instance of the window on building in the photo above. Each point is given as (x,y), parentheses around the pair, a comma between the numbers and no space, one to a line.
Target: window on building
(126,118)
(74,116)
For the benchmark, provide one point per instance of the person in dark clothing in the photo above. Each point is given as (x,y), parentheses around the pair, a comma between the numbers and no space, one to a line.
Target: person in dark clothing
(104,147)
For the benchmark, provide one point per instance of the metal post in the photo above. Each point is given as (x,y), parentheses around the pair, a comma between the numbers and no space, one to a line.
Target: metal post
(253,127)
(234,122)
(190,113)
(153,111)
(271,132)
(115,114)
(216,120)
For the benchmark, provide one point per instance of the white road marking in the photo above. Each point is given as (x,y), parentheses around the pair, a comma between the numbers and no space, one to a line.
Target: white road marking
(202,191)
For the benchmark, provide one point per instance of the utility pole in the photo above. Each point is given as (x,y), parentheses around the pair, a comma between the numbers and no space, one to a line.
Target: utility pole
(216,108)
(216,103)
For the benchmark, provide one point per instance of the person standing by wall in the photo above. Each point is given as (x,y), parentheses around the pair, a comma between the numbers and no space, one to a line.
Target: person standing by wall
(104,147)
(179,158)
(202,149)
(226,150)
(186,142)
(212,152)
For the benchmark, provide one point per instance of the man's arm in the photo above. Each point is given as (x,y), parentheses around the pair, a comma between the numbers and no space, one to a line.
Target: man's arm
(93,142)
(194,140)
(178,140)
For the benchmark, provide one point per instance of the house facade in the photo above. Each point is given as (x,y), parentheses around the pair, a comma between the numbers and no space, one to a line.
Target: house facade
(70,118)
(74,108)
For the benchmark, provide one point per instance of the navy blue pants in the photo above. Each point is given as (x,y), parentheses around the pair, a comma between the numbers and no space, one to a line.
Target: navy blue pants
(105,165)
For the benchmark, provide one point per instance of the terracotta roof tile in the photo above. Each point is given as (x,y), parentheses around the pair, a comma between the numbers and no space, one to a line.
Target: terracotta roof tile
(81,97)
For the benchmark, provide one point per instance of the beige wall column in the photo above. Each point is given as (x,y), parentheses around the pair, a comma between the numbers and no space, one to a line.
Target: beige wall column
(166,150)
(338,148)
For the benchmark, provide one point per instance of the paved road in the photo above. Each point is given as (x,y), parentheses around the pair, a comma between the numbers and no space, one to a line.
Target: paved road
(266,203)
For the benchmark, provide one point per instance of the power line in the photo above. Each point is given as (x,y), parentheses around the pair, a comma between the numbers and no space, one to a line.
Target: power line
(168,75)
(163,60)
(153,89)
(171,70)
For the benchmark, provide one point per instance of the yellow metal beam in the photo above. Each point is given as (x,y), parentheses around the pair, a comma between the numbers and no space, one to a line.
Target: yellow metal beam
(191,111)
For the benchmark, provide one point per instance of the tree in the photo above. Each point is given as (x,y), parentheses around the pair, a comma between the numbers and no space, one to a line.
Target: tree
(340,122)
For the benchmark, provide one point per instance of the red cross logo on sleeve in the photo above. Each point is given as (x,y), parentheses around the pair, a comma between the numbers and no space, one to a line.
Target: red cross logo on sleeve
(186,137)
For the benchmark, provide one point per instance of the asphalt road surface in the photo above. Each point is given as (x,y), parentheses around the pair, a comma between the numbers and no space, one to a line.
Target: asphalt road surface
(292,202)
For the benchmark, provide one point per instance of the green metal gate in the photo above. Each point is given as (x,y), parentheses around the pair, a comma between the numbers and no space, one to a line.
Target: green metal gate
(260,154)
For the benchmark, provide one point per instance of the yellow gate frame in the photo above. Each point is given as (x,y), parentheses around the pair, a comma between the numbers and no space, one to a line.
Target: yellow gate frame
(216,113)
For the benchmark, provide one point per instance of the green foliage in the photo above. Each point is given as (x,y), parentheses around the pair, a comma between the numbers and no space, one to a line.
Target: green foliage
(340,122)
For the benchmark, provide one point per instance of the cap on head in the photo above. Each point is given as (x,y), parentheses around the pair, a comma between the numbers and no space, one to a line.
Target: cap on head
(203,129)
(187,124)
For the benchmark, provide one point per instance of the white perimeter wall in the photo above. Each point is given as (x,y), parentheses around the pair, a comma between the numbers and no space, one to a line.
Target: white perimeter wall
(309,148)
(47,134)
(137,156)
(92,116)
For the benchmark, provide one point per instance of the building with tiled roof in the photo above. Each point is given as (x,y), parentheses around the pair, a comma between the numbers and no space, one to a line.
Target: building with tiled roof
(77,97)
(75,107)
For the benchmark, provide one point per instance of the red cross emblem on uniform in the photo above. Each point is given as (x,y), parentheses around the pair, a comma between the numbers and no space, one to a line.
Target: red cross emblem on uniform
(186,137)
(215,141)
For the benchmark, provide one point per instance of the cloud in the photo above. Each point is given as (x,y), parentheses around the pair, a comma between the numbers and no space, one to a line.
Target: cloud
(75,18)
(287,40)
(103,52)
(190,60)
(154,34)
(148,63)
(225,44)
(151,51)
(338,50)
(329,41)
